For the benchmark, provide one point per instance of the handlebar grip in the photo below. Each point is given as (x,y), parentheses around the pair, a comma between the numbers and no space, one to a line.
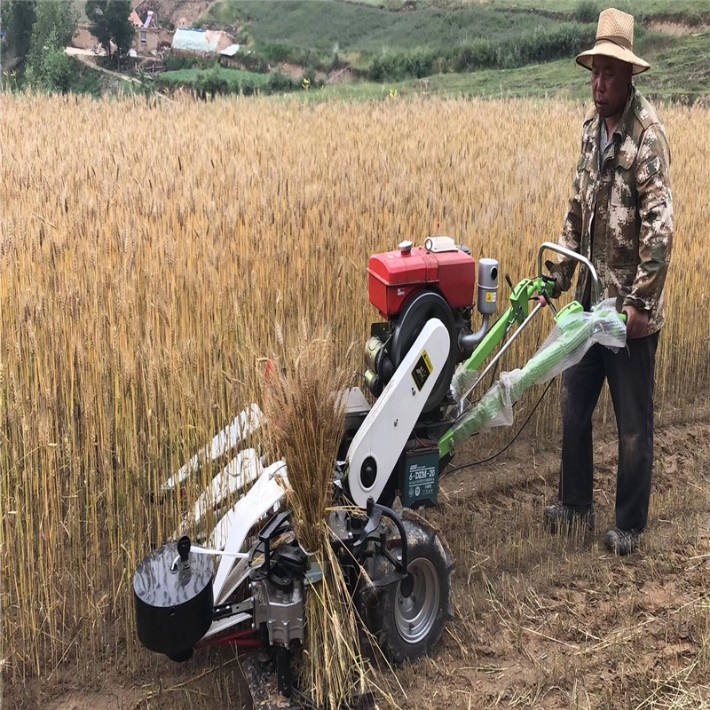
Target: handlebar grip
(596,291)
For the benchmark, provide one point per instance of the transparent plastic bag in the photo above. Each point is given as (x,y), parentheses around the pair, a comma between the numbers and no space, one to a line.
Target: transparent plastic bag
(564,347)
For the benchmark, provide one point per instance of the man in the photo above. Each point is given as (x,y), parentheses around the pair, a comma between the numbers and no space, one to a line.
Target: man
(620,217)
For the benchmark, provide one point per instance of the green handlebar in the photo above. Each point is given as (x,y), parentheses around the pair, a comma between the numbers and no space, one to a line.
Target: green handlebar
(543,365)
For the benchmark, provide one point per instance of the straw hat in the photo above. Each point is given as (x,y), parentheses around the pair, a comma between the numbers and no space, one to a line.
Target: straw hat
(615,38)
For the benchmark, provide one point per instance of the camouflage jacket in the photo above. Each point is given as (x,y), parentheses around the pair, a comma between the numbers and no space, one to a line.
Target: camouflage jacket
(621,213)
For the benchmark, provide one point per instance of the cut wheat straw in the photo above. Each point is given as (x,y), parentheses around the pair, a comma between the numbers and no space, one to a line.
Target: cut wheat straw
(306,422)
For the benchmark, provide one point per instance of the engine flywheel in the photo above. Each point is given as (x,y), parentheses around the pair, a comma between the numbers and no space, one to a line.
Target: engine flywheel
(414,317)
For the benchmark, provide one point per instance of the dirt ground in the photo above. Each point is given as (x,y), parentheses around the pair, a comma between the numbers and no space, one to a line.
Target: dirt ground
(677,29)
(181,13)
(541,621)
(560,623)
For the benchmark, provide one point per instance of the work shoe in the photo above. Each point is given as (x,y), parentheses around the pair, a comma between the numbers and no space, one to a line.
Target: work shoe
(565,518)
(622,542)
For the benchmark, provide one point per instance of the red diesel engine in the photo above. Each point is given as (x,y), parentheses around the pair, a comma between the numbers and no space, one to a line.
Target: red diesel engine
(395,276)
(413,284)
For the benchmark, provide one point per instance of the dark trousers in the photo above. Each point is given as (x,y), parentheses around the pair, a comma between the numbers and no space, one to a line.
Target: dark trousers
(630,374)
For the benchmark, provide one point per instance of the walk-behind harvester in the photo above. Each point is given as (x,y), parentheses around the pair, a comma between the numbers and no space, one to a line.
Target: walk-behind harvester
(424,361)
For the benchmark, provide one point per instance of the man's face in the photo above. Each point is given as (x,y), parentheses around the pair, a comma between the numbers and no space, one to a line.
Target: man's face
(610,85)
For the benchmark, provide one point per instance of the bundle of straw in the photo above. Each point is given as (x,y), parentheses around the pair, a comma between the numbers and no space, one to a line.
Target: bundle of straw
(306,421)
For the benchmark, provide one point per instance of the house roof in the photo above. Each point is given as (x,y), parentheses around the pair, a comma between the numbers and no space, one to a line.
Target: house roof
(135,20)
(192,40)
(230,51)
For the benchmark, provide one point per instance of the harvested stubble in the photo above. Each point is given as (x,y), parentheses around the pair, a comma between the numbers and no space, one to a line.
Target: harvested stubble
(154,252)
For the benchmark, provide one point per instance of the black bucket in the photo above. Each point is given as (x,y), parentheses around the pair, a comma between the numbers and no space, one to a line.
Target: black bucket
(174,602)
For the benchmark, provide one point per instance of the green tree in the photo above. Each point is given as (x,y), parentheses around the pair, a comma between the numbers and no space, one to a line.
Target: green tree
(52,16)
(57,69)
(110,23)
(18,17)
(48,67)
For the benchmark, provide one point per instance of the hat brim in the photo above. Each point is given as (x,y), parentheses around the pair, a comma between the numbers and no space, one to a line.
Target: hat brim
(609,49)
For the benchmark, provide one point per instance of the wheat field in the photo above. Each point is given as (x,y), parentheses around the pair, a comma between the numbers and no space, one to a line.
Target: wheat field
(151,255)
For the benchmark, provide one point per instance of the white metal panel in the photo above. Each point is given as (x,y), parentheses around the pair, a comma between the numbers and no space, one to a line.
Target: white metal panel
(239,473)
(387,427)
(221,625)
(244,424)
(232,529)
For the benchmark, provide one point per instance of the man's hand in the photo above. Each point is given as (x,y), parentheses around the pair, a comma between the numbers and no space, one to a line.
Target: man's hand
(552,287)
(556,277)
(636,322)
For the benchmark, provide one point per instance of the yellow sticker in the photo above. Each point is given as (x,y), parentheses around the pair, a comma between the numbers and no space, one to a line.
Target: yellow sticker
(491,297)
(427,360)
(422,370)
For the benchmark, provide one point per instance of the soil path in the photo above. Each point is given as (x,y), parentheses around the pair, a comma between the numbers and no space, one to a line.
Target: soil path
(90,61)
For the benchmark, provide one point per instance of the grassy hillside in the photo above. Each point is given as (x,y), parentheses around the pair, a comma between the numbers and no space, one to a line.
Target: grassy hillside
(354,27)
(361,31)
(641,9)
(493,48)
(679,72)
(216,80)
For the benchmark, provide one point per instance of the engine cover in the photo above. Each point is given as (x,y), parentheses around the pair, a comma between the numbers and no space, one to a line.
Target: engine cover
(394,276)
(173,601)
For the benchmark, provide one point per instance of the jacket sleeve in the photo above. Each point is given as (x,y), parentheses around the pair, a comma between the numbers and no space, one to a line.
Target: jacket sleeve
(655,205)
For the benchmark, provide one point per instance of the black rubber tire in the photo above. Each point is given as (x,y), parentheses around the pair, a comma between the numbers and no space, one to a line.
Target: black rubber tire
(407,628)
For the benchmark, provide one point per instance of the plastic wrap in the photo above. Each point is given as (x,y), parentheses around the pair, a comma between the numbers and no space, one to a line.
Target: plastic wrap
(461,381)
(565,346)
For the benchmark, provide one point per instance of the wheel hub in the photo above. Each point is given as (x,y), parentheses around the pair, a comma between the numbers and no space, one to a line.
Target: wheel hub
(415,613)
